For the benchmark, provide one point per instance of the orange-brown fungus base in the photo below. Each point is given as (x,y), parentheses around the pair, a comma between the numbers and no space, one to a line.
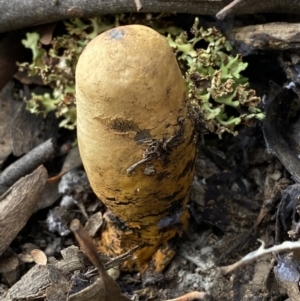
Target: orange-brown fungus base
(154,251)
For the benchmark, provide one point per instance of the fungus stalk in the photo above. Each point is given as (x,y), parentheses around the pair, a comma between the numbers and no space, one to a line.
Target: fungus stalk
(132,115)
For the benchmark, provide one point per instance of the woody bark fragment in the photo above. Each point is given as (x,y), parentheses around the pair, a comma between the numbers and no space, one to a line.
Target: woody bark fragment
(18,14)
(27,163)
(277,36)
(18,204)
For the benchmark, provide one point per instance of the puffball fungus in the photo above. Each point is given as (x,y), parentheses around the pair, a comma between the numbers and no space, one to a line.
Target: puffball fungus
(136,140)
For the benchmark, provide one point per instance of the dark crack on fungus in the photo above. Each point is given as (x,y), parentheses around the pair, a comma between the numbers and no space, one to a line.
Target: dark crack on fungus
(171,198)
(161,149)
(142,136)
(189,166)
(170,221)
(123,126)
(162,175)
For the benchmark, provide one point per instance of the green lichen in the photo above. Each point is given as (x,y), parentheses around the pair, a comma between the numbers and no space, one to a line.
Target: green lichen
(56,63)
(214,80)
(213,76)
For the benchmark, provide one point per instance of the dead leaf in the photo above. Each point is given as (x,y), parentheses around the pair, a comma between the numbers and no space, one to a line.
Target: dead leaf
(94,223)
(18,203)
(39,277)
(46,32)
(39,256)
(49,197)
(24,78)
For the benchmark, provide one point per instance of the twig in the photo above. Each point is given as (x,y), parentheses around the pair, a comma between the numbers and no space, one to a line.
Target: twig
(238,7)
(138,4)
(17,14)
(194,260)
(86,243)
(191,296)
(112,291)
(133,166)
(228,9)
(120,259)
(27,163)
(253,256)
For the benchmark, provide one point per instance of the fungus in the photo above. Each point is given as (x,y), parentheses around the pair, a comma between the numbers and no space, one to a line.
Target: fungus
(136,140)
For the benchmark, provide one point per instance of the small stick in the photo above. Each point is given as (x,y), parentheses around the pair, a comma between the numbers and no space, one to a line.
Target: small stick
(191,296)
(133,166)
(86,243)
(28,163)
(228,8)
(120,259)
(138,4)
(260,252)
(112,290)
